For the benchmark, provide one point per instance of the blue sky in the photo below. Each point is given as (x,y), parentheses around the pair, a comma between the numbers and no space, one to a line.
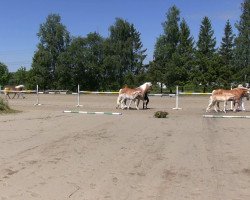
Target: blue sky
(20,21)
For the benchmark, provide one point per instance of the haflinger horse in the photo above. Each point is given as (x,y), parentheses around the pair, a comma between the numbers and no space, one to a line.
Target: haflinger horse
(17,90)
(132,94)
(220,95)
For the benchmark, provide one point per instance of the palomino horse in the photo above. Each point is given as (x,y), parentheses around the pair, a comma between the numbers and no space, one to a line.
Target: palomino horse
(132,94)
(17,90)
(221,95)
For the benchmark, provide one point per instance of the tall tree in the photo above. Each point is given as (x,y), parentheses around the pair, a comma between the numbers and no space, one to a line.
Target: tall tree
(185,55)
(21,76)
(205,70)
(124,53)
(226,55)
(4,74)
(166,46)
(81,63)
(242,44)
(227,44)
(54,39)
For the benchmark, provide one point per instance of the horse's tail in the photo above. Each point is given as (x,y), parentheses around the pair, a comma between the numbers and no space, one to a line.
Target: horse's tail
(118,101)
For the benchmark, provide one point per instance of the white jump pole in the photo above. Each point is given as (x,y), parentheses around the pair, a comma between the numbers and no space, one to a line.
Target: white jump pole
(231,108)
(78,96)
(37,97)
(225,116)
(177,99)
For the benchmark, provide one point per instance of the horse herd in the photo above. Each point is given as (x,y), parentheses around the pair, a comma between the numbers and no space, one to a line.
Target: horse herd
(135,95)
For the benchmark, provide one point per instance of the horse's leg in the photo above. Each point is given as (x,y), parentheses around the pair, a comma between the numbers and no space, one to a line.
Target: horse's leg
(209,107)
(14,96)
(137,104)
(243,105)
(225,105)
(209,104)
(128,107)
(118,102)
(235,107)
(123,105)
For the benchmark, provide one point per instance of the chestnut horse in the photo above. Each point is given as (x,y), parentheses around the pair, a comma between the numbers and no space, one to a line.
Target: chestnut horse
(17,90)
(132,94)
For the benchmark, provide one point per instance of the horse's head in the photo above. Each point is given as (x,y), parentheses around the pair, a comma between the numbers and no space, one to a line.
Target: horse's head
(146,86)
(245,92)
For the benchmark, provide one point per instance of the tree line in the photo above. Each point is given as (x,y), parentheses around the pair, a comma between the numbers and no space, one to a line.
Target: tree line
(62,61)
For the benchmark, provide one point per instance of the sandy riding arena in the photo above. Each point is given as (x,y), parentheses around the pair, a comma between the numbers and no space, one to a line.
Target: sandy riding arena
(50,155)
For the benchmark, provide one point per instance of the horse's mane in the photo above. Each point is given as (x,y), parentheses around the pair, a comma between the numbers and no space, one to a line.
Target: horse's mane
(145,86)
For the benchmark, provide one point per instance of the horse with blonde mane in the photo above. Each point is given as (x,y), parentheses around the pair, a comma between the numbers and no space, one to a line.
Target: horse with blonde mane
(17,90)
(132,94)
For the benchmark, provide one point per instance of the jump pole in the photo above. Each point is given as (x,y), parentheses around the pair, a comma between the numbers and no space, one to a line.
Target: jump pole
(78,96)
(98,113)
(177,99)
(225,116)
(37,97)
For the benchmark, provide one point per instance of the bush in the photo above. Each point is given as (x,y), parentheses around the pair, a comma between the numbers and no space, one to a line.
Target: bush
(3,105)
(160,114)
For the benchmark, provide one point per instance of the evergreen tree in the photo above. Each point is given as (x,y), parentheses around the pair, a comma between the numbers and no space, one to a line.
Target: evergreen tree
(54,39)
(205,70)
(226,55)
(227,44)
(124,54)
(185,58)
(242,44)
(166,47)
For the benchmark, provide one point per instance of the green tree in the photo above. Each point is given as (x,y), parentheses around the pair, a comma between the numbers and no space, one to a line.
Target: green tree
(166,47)
(185,55)
(242,44)
(205,71)
(81,63)
(4,74)
(124,54)
(21,76)
(54,39)
(226,55)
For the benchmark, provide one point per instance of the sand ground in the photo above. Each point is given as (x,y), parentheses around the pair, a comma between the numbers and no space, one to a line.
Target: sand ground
(50,155)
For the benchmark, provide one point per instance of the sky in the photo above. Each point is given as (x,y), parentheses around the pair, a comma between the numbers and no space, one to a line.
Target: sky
(20,21)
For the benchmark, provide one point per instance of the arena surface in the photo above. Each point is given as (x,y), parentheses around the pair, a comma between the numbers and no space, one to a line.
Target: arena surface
(48,154)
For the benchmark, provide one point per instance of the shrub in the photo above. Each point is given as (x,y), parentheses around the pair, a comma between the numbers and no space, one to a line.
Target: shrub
(160,114)
(3,105)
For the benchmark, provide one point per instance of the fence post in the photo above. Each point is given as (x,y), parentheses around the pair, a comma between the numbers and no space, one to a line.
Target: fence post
(177,99)
(37,97)
(78,96)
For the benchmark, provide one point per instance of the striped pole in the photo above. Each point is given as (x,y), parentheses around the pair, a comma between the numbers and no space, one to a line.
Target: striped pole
(37,97)
(96,92)
(78,96)
(177,99)
(231,108)
(98,113)
(225,116)
(194,93)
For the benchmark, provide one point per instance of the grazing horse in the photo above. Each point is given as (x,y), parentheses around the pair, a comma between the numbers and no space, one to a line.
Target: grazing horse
(127,93)
(17,90)
(221,95)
